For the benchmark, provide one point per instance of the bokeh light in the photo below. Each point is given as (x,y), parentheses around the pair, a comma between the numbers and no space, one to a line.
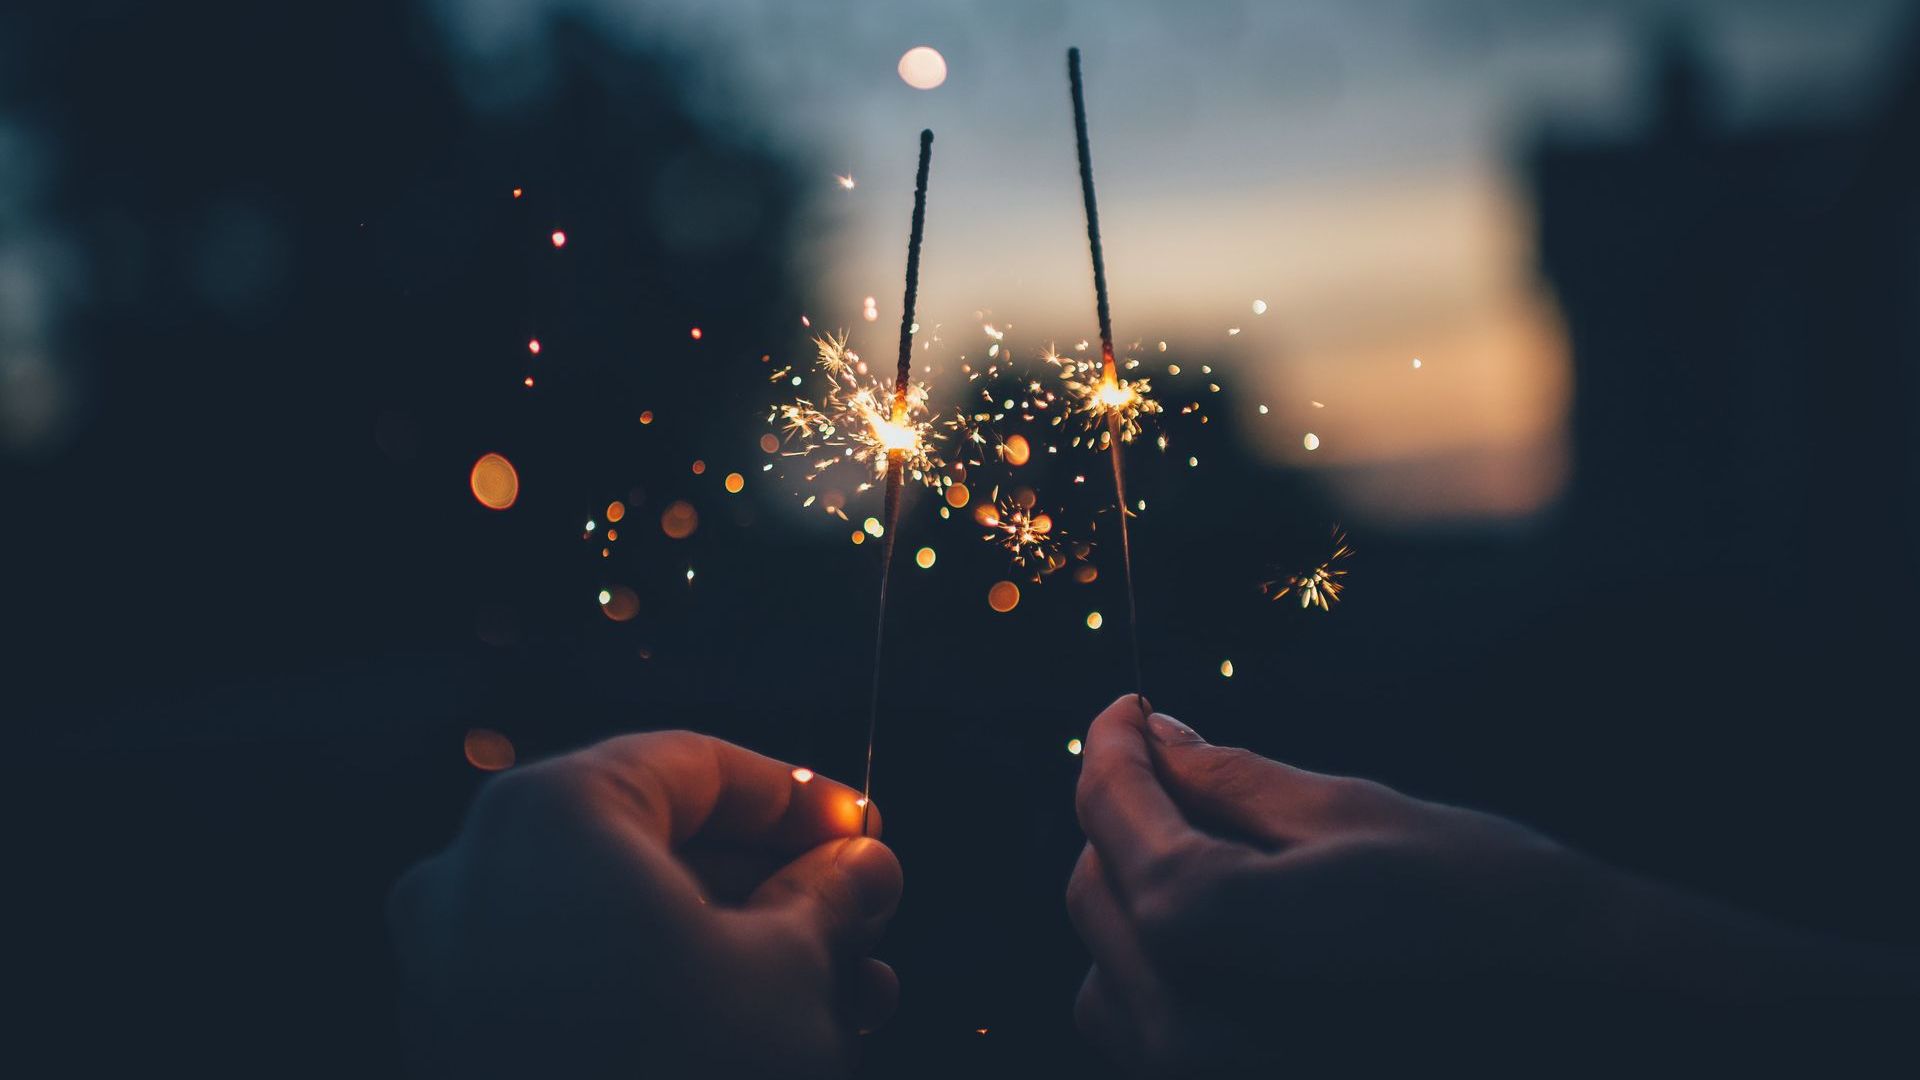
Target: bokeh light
(957,495)
(1016,451)
(924,558)
(735,482)
(1095,620)
(494,482)
(615,511)
(679,519)
(1003,597)
(803,774)
(1226,669)
(619,603)
(923,68)
(488,750)
(1074,746)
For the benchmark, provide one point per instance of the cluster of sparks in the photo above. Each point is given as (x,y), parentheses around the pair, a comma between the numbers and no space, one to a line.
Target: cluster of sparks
(856,419)
(1320,586)
(1026,535)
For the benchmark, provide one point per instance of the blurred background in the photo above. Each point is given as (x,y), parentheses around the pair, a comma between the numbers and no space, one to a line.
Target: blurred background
(1594,325)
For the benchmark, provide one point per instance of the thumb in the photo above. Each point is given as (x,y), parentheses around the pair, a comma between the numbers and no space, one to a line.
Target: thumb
(1238,790)
(844,889)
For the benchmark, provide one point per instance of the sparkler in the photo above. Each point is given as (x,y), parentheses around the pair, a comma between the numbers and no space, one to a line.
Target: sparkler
(1119,403)
(1319,586)
(904,446)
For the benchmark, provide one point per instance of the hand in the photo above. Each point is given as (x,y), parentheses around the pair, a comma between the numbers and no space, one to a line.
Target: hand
(1239,909)
(656,905)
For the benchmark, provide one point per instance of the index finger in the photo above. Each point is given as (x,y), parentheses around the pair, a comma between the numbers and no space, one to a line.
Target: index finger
(1126,814)
(681,786)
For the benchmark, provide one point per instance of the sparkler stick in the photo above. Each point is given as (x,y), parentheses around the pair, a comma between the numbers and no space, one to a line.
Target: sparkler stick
(896,456)
(1109,373)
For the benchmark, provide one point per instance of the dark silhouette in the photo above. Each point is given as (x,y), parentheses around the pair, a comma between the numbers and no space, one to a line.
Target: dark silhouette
(252,607)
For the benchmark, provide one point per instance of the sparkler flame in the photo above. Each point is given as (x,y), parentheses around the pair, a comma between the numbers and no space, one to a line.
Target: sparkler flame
(1103,399)
(858,418)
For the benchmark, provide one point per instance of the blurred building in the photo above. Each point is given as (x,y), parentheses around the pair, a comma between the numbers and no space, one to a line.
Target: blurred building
(1741,307)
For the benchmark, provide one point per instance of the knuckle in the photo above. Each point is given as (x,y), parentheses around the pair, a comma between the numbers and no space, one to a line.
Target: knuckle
(1162,913)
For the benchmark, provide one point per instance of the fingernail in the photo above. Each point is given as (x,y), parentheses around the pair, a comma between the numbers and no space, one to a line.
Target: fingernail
(874,872)
(1170,731)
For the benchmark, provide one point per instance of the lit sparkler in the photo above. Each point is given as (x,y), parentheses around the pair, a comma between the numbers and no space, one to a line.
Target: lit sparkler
(857,418)
(1321,586)
(1111,399)
(902,443)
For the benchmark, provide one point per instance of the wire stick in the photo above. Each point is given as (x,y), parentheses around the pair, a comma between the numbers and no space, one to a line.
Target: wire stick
(896,459)
(1108,370)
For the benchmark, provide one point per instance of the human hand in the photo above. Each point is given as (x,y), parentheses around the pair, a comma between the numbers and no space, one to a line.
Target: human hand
(1241,912)
(659,905)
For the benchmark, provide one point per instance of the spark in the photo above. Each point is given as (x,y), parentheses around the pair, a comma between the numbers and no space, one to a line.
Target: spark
(845,180)
(802,775)
(559,239)
(1259,307)
(1416,363)
(1319,587)
(1311,442)
(1074,746)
